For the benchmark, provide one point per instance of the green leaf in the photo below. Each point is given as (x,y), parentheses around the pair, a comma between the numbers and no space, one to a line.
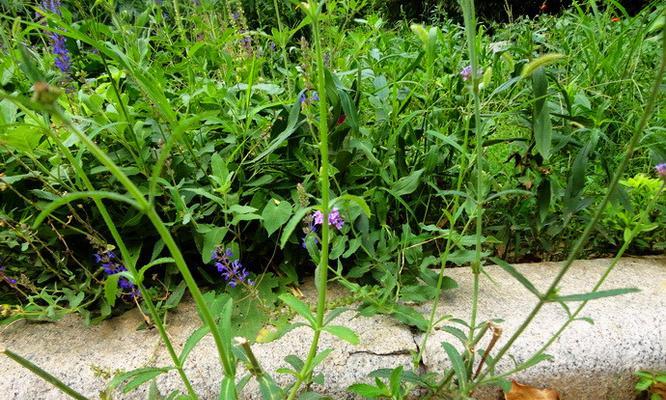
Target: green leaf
(291,225)
(356,200)
(23,138)
(320,357)
(111,289)
(349,110)
(275,215)
(343,333)
(212,237)
(176,296)
(543,128)
(301,308)
(192,342)
(517,275)
(227,388)
(137,377)
(535,65)
(368,391)
(292,125)
(409,316)
(406,184)
(457,364)
(268,388)
(595,295)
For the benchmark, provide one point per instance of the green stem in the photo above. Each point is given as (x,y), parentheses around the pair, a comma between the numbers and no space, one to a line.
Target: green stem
(470,31)
(321,274)
(152,310)
(635,139)
(634,233)
(165,235)
(179,22)
(43,374)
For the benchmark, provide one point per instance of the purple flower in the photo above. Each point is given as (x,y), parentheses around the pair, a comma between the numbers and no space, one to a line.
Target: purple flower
(301,98)
(230,269)
(334,218)
(235,15)
(4,277)
(111,266)
(52,6)
(466,73)
(62,59)
(315,96)
(661,170)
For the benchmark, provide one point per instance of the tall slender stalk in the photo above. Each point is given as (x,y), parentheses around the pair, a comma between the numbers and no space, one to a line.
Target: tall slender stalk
(152,310)
(149,210)
(321,274)
(470,31)
(635,139)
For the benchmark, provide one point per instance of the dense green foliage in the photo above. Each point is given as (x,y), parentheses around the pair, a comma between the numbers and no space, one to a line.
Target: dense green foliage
(243,165)
(152,148)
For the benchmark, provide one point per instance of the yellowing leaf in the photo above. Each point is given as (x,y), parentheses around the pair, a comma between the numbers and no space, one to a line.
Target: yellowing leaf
(527,392)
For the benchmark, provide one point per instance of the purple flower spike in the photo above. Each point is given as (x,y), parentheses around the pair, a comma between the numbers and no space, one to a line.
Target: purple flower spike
(111,266)
(661,170)
(62,59)
(230,270)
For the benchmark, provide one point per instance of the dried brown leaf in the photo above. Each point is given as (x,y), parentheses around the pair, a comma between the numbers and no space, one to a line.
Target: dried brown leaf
(527,392)
(659,388)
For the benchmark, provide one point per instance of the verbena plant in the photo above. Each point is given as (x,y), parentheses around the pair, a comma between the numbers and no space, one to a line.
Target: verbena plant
(471,195)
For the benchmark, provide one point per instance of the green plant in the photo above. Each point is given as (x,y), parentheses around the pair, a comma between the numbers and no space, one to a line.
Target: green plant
(647,381)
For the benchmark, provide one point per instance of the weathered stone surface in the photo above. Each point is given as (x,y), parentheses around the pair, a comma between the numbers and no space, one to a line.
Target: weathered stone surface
(590,361)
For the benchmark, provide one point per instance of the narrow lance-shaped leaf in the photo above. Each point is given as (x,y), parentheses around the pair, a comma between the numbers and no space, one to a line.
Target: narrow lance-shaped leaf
(595,295)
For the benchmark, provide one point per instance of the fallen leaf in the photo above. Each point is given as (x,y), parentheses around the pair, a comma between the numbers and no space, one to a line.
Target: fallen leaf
(659,388)
(527,392)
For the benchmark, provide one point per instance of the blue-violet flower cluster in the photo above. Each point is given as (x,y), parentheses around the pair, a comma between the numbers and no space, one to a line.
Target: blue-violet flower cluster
(231,269)
(62,59)
(109,262)
(302,98)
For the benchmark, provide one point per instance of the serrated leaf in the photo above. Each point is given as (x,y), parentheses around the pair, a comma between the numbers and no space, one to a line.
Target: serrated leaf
(409,316)
(192,342)
(111,289)
(457,364)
